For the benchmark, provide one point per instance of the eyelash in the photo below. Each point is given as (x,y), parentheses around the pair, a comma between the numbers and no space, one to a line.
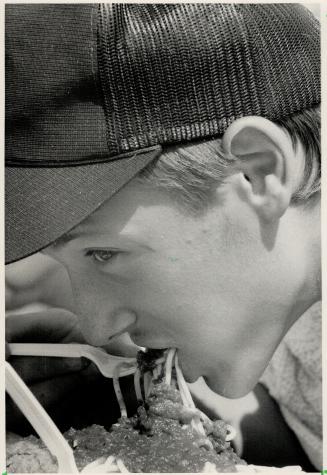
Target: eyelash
(94,253)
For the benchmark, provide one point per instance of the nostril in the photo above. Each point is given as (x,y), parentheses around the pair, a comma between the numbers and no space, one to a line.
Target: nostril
(122,345)
(105,326)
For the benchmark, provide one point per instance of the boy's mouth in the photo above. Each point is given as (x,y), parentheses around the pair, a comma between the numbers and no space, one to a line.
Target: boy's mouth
(149,342)
(158,342)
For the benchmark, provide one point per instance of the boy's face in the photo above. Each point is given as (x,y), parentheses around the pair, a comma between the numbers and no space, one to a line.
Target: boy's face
(207,285)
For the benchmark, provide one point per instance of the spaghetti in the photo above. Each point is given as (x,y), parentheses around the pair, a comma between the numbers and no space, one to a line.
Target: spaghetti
(166,406)
(167,434)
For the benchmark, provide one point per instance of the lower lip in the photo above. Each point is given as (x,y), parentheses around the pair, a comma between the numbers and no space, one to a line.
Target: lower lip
(189,369)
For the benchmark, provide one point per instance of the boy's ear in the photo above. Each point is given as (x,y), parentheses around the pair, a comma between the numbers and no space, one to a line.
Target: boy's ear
(265,158)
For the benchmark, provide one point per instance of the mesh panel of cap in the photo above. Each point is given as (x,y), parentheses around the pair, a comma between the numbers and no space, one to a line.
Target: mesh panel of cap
(173,73)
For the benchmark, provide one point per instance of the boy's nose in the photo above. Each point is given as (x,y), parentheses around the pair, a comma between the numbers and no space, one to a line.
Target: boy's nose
(102,328)
(121,321)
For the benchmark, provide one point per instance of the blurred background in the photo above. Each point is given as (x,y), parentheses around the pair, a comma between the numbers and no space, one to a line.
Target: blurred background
(314,7)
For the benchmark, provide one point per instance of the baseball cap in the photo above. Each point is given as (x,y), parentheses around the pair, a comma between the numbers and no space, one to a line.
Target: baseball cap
(95,91)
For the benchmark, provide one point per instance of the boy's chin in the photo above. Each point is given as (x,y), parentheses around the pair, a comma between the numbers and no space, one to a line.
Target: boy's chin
(232,387)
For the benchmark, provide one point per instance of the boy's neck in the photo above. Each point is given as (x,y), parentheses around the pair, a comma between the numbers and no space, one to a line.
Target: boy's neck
(311,291)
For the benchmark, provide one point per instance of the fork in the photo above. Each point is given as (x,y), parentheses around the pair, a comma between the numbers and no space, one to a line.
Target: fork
(108,365)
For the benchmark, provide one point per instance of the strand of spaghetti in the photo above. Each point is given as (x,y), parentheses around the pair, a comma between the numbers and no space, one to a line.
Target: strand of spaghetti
(92,466)
(231,433)
(118,392)
(110,465)
(160,368)
(137,385)
(121,466)
(204,416)
(184,400)
(102,465)
(184,384)
(180,383)
(186,395)
(169,365)
(194,423)
(183,395)
(145,385)
(197,424)
(181,392)
(150,386)
(156,372)
(146,382)
(161,360)
(147,377)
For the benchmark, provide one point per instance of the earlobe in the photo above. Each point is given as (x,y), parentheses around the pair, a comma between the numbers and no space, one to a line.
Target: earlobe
(264,158)
(271,204)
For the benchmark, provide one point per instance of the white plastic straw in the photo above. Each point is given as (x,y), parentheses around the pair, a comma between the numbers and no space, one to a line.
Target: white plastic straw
(40,420)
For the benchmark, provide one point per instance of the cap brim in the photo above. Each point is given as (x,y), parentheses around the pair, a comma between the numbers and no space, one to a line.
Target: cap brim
(42,204)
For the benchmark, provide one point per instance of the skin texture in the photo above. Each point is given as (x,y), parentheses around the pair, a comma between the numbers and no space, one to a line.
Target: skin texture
(32,280)
(224,287)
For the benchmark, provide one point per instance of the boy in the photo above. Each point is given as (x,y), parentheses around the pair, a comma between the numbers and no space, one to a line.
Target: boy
(169,157)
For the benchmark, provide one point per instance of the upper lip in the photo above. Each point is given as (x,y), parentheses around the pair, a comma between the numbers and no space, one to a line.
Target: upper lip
(148,341)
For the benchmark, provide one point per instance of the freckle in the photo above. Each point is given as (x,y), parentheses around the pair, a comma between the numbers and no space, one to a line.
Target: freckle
(188,241)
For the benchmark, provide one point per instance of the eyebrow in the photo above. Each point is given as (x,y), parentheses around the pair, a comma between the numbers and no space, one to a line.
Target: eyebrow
(69,236)
(80,231)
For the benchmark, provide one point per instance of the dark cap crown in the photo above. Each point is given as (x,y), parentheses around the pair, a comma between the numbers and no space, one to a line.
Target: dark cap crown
(88,82)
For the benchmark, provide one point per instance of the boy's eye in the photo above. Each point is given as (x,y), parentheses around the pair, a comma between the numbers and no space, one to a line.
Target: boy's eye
(101,255)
